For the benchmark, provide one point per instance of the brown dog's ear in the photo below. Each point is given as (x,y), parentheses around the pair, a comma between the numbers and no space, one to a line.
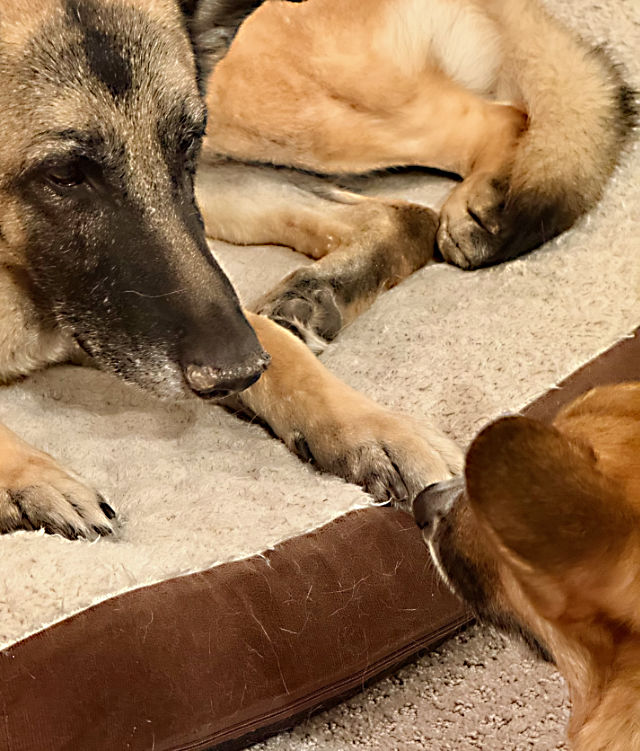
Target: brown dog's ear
(543,496)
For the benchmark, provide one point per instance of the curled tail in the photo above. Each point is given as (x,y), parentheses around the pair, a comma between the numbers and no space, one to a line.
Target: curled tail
(581,115)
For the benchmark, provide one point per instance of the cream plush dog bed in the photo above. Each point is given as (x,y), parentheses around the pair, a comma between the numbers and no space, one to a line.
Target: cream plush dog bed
(244,587)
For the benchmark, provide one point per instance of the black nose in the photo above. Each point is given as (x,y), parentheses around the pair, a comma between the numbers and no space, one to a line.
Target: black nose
(435,501)
(215,383)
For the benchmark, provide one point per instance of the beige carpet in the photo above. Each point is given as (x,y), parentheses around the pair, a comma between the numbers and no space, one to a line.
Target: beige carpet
(480,691)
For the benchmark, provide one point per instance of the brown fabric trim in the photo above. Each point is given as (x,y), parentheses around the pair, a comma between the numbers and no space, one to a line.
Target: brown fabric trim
(223,657)
(207,658)
(619,363)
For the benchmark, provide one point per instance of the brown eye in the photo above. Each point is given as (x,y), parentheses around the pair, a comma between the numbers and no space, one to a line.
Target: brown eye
(66,176)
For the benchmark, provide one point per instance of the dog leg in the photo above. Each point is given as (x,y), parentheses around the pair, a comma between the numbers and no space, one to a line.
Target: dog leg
(317,301)
(397,82)
(353,106)
(321,419)
(36,492)
(364,245)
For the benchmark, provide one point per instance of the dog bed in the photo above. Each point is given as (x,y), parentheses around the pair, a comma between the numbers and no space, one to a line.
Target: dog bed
(245,589)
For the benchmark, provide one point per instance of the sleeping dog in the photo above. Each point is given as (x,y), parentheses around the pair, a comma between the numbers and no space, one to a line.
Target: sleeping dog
(103,254)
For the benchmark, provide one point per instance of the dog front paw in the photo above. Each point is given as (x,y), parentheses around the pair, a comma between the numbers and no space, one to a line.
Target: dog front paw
(37,493)
(390,455)
(306,304)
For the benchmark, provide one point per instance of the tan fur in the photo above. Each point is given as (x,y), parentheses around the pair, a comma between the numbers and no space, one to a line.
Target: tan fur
(349,86)
(363,246)
(35,492)
(564,565)
(344,431)
(335,101)
(315,414)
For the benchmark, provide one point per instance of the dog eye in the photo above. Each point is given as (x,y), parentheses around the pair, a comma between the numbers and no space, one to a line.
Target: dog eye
(66,176)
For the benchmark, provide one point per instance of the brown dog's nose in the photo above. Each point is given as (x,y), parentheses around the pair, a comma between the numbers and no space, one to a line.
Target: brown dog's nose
(216,383)
(435,500)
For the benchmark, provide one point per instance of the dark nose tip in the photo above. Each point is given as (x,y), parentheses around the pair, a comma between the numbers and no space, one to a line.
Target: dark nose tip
(215,383)
(435,501)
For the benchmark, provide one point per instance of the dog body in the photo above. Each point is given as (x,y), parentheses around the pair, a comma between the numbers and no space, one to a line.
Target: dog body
(528,115)
(102,245)
(542,539)
(103,254)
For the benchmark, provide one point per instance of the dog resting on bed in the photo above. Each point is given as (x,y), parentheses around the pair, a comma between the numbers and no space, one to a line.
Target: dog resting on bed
(102,245)
(542,539)
(103,253)
(532,118)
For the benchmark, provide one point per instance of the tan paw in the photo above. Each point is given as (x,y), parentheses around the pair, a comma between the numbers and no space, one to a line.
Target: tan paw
(390,455)
(37,493)
(483,222)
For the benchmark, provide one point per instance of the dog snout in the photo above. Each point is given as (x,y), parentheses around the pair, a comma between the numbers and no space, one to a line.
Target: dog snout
(216,383)
(435,501)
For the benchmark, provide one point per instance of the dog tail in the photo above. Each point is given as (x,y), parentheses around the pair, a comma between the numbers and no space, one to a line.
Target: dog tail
(581,114)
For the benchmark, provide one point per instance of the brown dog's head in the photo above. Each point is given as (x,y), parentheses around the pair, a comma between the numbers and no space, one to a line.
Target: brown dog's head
(101,122)
(542,542)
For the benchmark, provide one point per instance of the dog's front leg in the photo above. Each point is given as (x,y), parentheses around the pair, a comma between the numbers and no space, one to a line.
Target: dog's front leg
(37,493)
(362,245)
(323,420)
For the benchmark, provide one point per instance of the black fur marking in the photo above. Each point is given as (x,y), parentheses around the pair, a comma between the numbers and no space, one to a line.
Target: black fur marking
(117,289)
(212,26)
(102,49)
(627,101)
(107,63)
(412,239)
(526,220)
(625,98)
(301,448)
(229,13)
(180,138)
(318,297)
(188,7)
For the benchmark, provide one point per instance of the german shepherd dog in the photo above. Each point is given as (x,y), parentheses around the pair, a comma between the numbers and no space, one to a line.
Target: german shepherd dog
(102,245)
(542,538)
(497,91)
(103,253)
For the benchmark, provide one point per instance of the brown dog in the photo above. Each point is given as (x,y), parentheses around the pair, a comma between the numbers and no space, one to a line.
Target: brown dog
(542,538)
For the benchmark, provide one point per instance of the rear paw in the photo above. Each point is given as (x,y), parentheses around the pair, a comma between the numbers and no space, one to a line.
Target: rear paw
(483,223)
(471,224)
(306,304)
(40,494)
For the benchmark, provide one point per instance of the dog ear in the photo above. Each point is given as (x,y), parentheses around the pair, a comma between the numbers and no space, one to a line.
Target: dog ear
(542,495)
(212,25)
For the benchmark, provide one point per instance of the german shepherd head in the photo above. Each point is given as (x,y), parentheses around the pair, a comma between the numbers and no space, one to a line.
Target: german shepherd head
(542,538)
(100,237)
